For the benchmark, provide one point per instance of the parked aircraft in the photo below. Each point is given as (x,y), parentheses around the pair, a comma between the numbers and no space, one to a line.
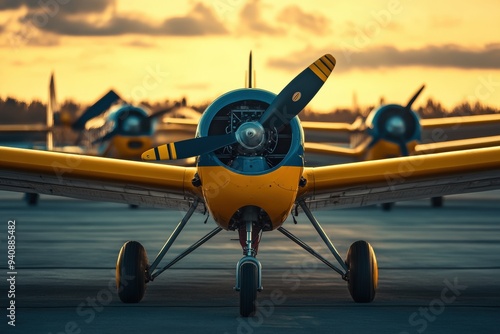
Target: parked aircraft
(108,128)
(394,130)
(250,177)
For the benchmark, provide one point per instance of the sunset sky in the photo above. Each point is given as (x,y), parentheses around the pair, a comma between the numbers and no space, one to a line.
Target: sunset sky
(153,50)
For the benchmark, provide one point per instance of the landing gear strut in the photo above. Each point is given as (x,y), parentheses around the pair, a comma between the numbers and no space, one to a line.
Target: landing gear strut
(248,268)
(360,268)
(133,271)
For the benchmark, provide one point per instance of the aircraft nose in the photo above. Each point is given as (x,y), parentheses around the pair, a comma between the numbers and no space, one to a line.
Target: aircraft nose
(396,126)
(132,125)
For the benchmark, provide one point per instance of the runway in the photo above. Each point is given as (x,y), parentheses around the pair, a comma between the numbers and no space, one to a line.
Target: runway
(439,271)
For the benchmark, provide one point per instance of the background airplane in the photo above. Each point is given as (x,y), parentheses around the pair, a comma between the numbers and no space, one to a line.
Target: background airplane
(394,130)
(250,176)
(108,128)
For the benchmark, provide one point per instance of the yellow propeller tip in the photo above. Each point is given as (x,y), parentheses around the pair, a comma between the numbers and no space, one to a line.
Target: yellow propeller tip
(148,155)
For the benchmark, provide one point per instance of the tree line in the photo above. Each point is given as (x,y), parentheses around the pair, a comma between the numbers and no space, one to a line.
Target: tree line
(13,111)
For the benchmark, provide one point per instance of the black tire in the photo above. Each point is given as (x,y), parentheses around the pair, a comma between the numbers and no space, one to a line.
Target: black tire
(363,272)
(248,289)
(131,269)
(387,206)
(437,202)
(32,198)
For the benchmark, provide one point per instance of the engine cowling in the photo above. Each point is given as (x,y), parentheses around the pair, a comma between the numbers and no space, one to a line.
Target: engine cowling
(394,123)
(258,150)
(259,174)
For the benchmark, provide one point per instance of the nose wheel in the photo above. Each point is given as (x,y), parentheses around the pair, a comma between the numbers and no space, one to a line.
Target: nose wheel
(248,289)
(248,268)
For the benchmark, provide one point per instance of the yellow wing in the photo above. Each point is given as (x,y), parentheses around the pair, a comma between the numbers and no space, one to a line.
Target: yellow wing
(457,145)
(398,179)
(185,124)
(96,178)
(454,128)
(331,132)
(319,154)
(8,128)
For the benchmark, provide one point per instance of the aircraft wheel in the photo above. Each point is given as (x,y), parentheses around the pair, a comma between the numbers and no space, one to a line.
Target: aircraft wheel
(131,269)
(32,198)
(437,202)
(248,289)
(387,206)
(363,272)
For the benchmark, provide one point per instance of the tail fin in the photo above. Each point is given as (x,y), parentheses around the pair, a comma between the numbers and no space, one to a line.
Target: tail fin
(250,77)
(51,109)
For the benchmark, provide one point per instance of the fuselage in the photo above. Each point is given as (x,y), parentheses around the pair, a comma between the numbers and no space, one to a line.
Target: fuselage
(390,127)
(123,132)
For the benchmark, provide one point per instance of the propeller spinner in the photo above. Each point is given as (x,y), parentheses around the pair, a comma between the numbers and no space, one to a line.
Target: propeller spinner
(251,136)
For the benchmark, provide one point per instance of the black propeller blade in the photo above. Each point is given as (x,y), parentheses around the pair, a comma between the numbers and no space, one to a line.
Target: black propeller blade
(297,94)
(96,109)
(106,137)
(287,104)
(408,106)
(189,148)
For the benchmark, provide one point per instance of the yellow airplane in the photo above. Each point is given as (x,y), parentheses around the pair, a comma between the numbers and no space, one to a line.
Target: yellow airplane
(109,128)
(394,130)
(250,176)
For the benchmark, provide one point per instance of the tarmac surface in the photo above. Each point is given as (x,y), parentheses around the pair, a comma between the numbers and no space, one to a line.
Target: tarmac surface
(439,271)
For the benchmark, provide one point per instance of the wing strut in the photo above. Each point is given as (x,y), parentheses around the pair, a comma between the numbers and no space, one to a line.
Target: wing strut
(172,238)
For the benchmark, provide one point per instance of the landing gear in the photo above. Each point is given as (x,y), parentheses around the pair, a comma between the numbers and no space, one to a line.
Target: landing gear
(248,289)
(31,198)
(249,269)
(133,271)
(131,268)
(363,272)
(437,202)
(387,206)
(360,268)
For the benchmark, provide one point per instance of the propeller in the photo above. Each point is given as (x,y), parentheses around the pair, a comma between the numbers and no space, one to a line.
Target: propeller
(251,135)
(132,123)
(408,106)
(396,127)
(103,104)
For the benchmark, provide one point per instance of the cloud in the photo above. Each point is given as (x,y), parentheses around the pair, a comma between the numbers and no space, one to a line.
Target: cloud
(452,56)
(48,6)
(199,21)
(430,56)
(293,15)
(10,4)
(251,20)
